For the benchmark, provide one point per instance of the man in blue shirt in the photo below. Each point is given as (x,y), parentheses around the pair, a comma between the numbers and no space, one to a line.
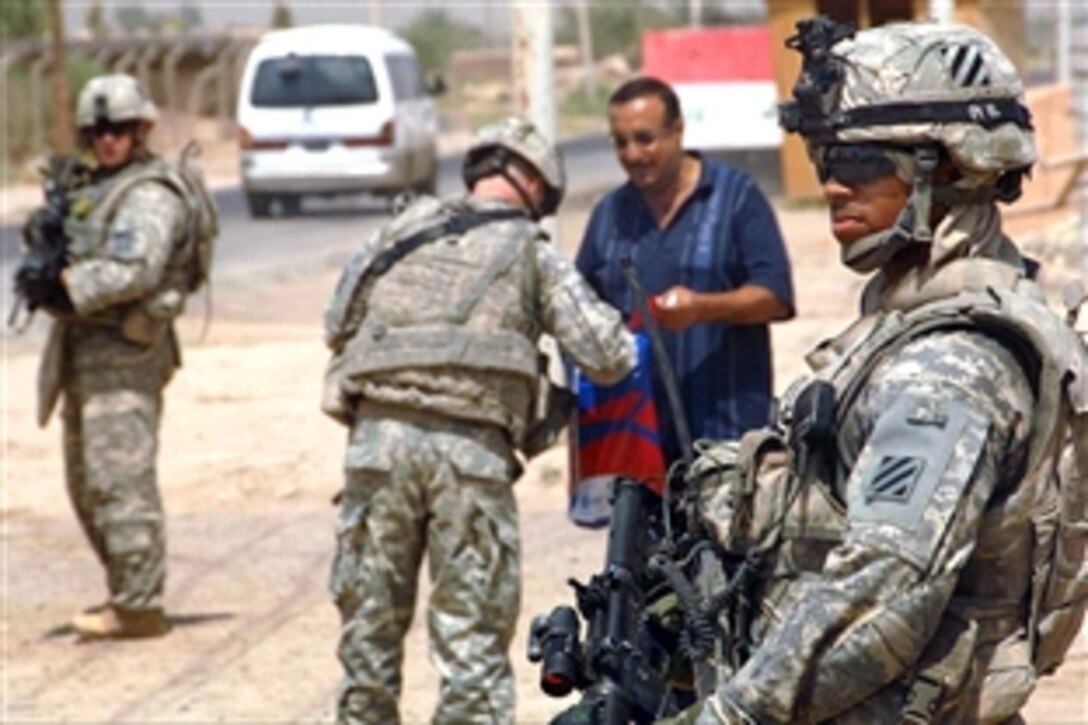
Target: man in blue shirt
(706,246)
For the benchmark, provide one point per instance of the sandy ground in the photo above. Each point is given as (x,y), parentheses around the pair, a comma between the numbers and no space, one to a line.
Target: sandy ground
(247,468)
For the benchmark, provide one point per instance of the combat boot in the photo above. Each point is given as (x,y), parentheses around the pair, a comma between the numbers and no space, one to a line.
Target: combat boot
(109,622)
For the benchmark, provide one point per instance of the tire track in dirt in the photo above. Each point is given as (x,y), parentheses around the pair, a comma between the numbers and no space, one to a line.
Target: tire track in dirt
(190,581)
(211,662)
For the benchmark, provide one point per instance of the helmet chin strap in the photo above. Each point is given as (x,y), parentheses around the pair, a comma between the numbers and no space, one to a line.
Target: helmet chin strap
(911,226)
(534,213)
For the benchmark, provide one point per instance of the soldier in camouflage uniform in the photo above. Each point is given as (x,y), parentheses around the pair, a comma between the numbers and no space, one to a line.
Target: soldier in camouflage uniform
(112,349)
(888,525)
(434,329)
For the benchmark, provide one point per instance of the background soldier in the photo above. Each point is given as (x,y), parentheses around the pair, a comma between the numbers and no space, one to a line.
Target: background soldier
(112,347)
(434,327)
(905,516)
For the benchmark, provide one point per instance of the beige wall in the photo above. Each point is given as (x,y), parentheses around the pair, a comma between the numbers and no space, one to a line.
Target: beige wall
(798,178)
(1055,138)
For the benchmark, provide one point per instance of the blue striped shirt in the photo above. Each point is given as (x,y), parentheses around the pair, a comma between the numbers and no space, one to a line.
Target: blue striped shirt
(724,236)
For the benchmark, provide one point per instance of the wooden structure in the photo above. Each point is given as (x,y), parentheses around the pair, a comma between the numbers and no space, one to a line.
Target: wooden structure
(1002,20)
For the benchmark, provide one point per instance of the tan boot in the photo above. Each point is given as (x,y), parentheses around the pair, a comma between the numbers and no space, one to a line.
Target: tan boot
(95,609)
(109,622)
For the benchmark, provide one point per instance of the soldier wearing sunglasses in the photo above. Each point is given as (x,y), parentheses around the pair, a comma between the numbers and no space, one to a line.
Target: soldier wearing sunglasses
(891,539)
(112,348)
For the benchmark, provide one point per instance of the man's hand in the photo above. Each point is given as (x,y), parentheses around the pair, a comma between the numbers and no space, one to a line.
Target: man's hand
(677,308)
(680,307)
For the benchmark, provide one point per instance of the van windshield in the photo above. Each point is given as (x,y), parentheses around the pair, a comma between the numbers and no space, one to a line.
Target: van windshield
(313,80)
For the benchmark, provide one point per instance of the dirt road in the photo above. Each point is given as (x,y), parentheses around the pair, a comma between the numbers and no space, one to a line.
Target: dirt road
(247,468)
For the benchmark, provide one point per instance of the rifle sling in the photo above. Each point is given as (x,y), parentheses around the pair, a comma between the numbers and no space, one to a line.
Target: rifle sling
(457,224)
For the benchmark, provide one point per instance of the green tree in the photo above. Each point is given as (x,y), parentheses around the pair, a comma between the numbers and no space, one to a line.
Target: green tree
(282,16)
(21,19)
(435,36)
(95,20)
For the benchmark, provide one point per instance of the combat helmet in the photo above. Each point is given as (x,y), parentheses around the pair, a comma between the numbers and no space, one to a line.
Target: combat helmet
(923,91)
(516,140)
(113,99)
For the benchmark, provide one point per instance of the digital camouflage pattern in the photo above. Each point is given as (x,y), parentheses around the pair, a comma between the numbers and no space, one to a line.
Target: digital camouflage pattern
(110,361)
(900,64)
(420,485)
(453,327)
(899,581)
(110,423)
(520,137)
(904,560)
(434,369)
(114,99)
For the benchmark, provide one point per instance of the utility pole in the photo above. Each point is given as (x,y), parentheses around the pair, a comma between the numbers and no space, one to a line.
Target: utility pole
(585,49)
(695,13)
(63,134)
(534,98)
(1078,80)
(942,10)
(374,12)
(533,70)
(1065,41)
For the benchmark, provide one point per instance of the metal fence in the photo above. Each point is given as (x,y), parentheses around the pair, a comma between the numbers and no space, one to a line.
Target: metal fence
(194,74)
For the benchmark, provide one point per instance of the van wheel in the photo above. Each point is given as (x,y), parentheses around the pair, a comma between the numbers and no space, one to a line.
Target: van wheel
(260,205)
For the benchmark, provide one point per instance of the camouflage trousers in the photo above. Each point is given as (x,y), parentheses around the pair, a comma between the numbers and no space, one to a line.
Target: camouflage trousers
(111,424)
(419,484)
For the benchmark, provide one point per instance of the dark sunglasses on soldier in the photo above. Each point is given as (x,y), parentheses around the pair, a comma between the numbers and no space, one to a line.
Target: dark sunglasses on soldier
(854,164)
(111,128)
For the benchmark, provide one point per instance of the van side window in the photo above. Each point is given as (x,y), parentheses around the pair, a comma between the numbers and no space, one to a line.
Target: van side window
(406,77)
(314,80)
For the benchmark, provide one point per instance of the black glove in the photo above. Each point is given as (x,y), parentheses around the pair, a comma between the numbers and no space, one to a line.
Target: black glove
(41,286)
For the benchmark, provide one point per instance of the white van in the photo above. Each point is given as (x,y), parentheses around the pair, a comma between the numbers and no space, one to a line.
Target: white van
(334,109)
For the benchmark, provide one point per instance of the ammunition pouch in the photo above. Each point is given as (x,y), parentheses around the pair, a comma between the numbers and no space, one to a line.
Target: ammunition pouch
(140,327)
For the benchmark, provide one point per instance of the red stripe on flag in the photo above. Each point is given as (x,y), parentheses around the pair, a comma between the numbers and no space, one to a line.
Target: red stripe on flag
(708,55)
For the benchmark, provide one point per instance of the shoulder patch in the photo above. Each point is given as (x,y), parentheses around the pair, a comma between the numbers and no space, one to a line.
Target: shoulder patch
(121,242)
(912,474)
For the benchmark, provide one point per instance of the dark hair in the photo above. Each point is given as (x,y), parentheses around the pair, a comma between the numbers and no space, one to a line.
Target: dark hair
(648,86)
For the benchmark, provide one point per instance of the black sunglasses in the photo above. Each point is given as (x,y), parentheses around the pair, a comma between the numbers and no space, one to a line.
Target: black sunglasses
(112,128)
(853,164)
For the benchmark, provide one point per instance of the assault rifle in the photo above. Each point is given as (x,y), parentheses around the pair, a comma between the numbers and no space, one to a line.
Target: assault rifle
(45,246)
(646,624)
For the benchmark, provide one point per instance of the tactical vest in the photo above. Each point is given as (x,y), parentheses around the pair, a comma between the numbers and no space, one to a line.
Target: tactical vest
(451,328)
(93,209)
(764,506)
